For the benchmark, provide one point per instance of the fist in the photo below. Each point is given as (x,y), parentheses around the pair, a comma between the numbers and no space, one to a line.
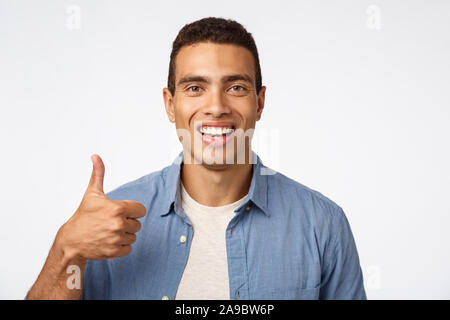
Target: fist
(100,228)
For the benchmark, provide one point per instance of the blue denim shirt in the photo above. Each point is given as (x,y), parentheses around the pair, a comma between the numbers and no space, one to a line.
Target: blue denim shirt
(286,241)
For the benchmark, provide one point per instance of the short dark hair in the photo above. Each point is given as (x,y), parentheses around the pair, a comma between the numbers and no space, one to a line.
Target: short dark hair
(216,30)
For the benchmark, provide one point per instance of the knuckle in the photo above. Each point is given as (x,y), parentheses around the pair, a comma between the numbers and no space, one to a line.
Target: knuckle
(128,249)
(110,251)
(115,239)
(118,224)
(124,250)
(133,238)
(118,209)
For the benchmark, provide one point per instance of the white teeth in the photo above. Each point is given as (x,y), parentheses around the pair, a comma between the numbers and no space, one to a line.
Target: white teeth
(216,131)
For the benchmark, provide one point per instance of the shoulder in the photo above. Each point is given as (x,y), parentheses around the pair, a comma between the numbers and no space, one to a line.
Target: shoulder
(310,213)
(142,188)
(301,199)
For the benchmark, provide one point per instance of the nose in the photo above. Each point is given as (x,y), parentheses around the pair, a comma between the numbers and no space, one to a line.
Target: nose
(216,105)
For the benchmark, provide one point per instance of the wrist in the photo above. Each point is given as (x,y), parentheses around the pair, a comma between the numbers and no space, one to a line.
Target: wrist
(68,255)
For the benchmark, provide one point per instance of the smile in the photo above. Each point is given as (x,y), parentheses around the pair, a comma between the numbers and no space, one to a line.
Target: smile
(216,133)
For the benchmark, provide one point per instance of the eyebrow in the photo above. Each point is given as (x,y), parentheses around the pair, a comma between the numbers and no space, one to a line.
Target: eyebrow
(225,79)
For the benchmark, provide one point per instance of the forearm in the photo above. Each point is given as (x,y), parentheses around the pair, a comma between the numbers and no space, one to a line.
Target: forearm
(52,282)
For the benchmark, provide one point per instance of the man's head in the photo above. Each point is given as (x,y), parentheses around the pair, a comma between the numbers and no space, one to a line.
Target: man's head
(215,81)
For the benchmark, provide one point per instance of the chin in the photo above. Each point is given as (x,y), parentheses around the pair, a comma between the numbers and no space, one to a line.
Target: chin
(209,158)
(216,167)
(212,159)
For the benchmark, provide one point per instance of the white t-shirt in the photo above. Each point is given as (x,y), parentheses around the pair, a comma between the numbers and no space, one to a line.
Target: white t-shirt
(205,276)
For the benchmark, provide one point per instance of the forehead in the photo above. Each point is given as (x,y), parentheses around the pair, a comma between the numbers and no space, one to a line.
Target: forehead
(214,60)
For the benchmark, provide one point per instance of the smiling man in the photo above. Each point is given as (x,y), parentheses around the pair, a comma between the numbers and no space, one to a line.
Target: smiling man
(217,223)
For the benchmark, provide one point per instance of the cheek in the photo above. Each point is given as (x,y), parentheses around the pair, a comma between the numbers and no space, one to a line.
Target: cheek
(249,114)
(184,111)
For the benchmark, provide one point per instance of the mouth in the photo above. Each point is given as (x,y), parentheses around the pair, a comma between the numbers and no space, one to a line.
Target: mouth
(216,133)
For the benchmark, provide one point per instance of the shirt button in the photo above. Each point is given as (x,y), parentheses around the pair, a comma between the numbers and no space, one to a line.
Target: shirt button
(165,298)
(183,239)
(247,208)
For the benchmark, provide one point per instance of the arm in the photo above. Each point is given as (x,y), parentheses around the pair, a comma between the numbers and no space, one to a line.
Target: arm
(342,277)
(52,280)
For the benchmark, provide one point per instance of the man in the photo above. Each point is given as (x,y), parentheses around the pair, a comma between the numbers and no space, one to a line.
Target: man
(217,223)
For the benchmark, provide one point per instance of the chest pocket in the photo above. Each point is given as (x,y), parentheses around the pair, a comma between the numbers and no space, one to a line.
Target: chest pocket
(300,283)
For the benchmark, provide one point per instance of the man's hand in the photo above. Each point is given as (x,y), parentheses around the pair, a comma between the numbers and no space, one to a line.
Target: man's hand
(100,228)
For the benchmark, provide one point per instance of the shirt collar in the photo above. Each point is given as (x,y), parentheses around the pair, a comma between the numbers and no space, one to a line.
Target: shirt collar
(257,192)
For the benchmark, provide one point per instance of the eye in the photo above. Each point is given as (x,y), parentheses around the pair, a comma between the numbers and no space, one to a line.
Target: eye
(238,88)
(194,89)
(238,91)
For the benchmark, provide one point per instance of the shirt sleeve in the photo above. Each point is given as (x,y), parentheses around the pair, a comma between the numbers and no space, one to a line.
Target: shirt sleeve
(96,280)
(342,277)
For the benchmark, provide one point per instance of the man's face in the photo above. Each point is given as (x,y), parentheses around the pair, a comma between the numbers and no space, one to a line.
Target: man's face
(215,104)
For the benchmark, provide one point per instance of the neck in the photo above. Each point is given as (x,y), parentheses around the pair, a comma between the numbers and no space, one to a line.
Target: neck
(216,187)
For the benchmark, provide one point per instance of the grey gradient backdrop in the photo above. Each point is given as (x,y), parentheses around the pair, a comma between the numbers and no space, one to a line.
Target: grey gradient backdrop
(358,113)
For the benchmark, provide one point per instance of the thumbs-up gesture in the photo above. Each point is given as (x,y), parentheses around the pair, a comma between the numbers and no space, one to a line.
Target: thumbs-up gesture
(100,228)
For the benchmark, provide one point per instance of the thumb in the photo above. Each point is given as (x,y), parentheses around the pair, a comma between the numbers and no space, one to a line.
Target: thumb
(98,173)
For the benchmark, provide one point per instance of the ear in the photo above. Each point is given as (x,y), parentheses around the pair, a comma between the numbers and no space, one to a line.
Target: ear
(261,99)
(168,102)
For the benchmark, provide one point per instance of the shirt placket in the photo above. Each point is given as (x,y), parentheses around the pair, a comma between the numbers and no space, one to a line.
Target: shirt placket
(236,256)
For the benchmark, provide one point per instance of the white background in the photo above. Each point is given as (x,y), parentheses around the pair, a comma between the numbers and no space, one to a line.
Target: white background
(358,113)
